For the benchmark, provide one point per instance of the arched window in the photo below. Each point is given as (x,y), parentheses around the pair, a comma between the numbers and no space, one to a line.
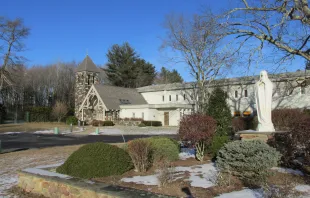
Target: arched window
(236,94)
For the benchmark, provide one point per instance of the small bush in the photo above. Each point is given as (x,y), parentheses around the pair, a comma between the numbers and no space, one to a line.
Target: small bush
(164,148)
(152,123)
(238,124)
(249,160)
(96,160)
(140,153)
(294,145)
(72,119)
(217,143)
(166,173)
(141,125)
(199,130)
(102,123)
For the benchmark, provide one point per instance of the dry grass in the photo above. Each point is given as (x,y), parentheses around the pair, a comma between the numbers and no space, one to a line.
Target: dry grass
(32,126)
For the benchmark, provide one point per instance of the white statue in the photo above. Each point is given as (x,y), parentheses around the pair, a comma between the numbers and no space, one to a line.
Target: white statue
(263,103)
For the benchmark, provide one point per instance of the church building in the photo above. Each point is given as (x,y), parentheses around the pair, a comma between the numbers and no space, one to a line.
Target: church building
(169,102)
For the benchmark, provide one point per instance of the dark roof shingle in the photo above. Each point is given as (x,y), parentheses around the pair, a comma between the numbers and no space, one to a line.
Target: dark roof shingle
(113,96)
(87,65)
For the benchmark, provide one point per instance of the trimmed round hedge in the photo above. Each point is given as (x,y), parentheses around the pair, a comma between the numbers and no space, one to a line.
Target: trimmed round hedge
(96,160)
(164,148)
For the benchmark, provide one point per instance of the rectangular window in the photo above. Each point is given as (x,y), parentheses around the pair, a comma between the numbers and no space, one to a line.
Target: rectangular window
(133,115)
(236,94)
(177,97)
(142,115)
(93,79)
(169,97)
(246,93)
(184,96)
(88,80)
(163,98)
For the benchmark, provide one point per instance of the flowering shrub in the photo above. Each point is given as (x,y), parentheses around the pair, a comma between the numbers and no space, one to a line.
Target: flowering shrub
(199,130)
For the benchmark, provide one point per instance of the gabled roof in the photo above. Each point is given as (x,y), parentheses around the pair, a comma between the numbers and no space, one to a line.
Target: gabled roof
(113,96)
(87,65)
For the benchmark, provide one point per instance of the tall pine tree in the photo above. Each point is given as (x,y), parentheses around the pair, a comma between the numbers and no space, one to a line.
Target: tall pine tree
(126,69)
(218,108)
(165,76)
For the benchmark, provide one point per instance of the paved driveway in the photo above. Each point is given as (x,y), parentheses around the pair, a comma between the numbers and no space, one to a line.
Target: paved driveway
(11,142)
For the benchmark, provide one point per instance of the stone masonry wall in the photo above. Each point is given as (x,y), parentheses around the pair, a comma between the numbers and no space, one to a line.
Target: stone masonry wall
(56,187)
(82,87)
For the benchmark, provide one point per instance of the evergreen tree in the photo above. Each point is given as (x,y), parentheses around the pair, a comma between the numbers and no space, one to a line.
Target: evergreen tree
(126,69)
(165,76)
(218,108)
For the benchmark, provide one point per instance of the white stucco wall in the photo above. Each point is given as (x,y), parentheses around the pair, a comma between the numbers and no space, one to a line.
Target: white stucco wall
(156,97)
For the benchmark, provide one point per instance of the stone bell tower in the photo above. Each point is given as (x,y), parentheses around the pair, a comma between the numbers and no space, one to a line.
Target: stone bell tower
(86,75)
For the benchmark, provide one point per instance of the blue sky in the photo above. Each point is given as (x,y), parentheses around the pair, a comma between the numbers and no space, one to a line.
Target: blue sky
(63,30)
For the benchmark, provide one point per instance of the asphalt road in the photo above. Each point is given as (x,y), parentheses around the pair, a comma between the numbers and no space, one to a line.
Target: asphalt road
(22,141)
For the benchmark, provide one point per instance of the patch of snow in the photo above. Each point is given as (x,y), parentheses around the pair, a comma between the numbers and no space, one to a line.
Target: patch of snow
(6,182)
(45,173)
(184,156)
(50,166)
(303,188)
(145,180)
(288,170)
(248,193)
(44,132)
(115,131)
(60,132)
(199,175)
(12,133)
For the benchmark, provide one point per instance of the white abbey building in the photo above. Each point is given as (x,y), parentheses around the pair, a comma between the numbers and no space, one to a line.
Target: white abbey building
(169,102)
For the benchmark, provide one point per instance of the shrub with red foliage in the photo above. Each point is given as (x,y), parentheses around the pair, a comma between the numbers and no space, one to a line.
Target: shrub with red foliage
(196,128)
(238,124)
(295,144)
(286,119)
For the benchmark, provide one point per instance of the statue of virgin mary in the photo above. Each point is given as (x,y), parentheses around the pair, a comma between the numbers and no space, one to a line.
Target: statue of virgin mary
(263,103)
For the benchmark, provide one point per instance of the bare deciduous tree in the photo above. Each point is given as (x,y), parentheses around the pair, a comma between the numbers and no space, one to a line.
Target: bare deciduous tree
(12,34)
(283,24)
(59,110)
(197,43)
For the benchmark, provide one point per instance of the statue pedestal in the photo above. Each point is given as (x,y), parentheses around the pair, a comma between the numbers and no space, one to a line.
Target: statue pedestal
(255,135)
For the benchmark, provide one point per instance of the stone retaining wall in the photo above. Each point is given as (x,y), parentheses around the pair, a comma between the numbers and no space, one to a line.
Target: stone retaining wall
(57,187)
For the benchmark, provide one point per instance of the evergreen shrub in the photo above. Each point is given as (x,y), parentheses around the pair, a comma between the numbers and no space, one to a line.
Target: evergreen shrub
(72,119)
(40,114)
(96,160)
(218,108)
(217,143)
(141,125)
(249,160)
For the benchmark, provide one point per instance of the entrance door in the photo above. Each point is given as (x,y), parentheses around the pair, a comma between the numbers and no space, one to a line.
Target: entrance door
(166,118)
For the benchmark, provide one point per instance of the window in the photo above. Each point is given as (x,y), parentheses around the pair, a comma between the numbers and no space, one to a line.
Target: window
(169,97)
(142,115)
(246,93)
(177,97)
(236,94)
(93,79)
(184,96)
(163,98)
(88,79)
(302,90)
(133,115)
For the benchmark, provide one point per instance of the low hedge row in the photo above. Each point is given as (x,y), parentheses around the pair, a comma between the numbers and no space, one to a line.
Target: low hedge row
(152,123)
(102,123)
